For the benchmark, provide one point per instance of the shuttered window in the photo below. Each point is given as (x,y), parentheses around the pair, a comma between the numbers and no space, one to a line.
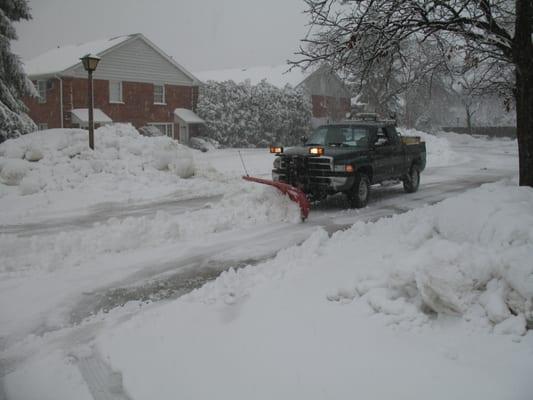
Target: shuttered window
(115,92)
(159,94)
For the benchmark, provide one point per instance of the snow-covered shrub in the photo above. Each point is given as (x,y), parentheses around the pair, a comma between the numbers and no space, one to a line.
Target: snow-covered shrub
(243,115)
(164,153)
(29,185)
(135,149)
(150,130)
(33,153)
(13,149)
(182,166)
(13,170)
(203,144)
(170,155)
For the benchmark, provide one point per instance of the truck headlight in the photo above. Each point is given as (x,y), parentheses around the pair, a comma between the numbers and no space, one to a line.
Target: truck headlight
(343,168)
(316,151)
(277,163)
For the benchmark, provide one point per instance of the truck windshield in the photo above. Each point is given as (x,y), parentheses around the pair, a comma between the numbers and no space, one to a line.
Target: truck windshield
(340,136)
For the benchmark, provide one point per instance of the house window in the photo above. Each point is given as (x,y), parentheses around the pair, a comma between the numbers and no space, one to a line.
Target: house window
(42,126)
(115,92)
(165,128)
(159,94)
(41,88)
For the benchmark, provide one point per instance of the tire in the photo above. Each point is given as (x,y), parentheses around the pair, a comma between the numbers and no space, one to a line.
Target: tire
(411,182)
(358,196)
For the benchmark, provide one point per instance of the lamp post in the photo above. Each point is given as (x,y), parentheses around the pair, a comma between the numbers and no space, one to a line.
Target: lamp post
(90,63)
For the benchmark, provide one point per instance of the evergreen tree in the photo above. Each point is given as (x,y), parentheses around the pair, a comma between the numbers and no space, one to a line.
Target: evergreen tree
(13,81)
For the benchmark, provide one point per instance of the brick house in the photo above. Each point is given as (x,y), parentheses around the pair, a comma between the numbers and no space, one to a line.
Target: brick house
(328,94)
(135,82)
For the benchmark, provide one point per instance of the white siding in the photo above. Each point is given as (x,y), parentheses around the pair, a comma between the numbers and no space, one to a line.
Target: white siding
(135,61)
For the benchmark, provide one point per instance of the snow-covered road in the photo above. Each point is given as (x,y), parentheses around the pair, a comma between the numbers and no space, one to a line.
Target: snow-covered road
(109,255)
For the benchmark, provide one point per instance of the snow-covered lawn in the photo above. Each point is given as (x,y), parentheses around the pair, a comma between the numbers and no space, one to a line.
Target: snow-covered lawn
(433,303)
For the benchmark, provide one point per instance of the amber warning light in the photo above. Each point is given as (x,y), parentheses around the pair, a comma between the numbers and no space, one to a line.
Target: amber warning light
(276,149)
(316,151)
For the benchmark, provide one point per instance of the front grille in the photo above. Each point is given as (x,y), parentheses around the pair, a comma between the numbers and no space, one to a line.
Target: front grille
(319,166)
(306,172)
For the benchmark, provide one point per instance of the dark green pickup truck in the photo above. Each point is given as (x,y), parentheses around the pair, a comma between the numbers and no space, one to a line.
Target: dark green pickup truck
(350,156)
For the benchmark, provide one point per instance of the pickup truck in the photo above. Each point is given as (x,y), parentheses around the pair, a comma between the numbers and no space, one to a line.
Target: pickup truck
(350,156)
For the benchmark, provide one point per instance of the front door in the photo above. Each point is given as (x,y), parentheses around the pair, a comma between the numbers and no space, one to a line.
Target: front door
(184,134)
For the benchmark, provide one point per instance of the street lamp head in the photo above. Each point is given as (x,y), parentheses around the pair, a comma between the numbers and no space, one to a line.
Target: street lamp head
(90,62)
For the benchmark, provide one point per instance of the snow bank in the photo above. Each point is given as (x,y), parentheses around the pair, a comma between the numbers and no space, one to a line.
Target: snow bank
(439,150)
(61,160)
(243,206)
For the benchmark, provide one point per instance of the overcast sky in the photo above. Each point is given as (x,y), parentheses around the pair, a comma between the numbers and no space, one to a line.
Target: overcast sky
(199,34)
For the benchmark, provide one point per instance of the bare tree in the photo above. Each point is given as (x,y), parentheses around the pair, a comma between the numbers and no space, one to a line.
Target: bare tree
(360,33)
(466,86)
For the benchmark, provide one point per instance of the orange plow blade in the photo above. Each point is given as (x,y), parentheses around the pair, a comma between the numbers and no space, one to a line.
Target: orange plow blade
(294,194)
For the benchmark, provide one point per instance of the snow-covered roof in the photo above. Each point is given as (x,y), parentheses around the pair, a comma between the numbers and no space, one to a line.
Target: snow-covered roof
(188,116)
(275,75)
(62,58)
(81,115)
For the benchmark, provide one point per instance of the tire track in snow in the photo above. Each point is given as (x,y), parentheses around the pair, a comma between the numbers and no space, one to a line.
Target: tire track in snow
(106,211)
(102,381)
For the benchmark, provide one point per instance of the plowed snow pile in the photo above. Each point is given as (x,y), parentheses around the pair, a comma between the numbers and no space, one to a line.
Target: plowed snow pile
(439,150)
(418,301)
(468,256)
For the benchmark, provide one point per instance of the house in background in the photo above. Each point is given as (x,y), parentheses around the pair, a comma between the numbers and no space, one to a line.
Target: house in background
(135,82)
(329,96)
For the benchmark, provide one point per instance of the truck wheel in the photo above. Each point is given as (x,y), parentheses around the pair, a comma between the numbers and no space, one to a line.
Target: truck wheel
(358,196)
(411,182)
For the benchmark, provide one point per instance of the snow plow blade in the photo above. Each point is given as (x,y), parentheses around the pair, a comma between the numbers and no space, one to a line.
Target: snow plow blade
(294,194)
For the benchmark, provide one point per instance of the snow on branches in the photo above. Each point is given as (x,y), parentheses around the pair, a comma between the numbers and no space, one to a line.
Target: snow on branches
(242,114)
(13,81)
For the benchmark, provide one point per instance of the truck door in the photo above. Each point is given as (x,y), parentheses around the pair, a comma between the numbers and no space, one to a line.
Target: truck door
(398,163)
(384,154)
